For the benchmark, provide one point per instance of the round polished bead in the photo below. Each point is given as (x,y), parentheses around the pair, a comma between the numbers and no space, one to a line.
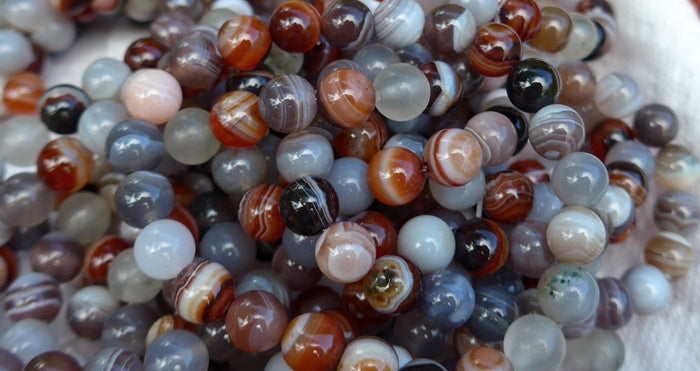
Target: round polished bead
(58,255)
(298,277)
(454,157)
(534,329)
(529,252)
(483,10)
(447,298)
(16,53)
(21,140)
(461,197)
(567,293)
(188,137)
(97,121)
(99,256)
(237,170)
(368,352)
(163,248)
(348,177)
(555,29)
(33,295)
(143,197)
(629,177)
(402,91)
(243,42)
(601,348)
(195,62)
(53,360)
(533,84)
(483,358)
(494,310)
(88,310)
(508,197)
(496,134)
(677,211)
(287,103)
(127,282)
(152,95)
(308,205)
(202,292)
(134,144)
(395,176)
(255,321)
(170,27)
(671,253)
(655,125)
(617,95)
(345,252)
(235,120)
(28,338)
(523,16)
(362,141)
(228,244)
(259,213)
(427,241)
(449,29)
(556,131)
(578,82)
(380,228)
(607,134)
(372,59)
(347,24)
(103,78)
(633,152)
(481,246)
(22,92)
(393,285)
(347,97)
(576,235)
(144,53)
(175,350)
(127,328)
(61,106)
(304,153)
(580,179)
(495,50)
(295,26)
(398,24)
(265,280)
(65,165)
(114,358)
(615,308)
(677,168)
(313,342)
(25,201)
(649,288)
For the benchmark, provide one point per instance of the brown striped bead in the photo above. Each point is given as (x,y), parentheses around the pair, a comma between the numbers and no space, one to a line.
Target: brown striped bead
(259,212)
(454,157)
(33,295)
(509,196)
(631,178)
(65,164)
(166,323)
(347,97)
(295,26)
(395,176)
(243,42)
(22,92)
(495,50)
(362,141)
(202,292)
(235,120)
(523,16)
(671,253)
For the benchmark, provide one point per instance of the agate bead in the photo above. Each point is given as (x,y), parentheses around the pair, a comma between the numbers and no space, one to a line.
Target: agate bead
(99,255)
(25,201)
(65,165)
(484,358)
(677,168)
(194,62)
(347,24)
(533,84)
(576,235)
(143,197)
(103,78)
(58,255)
(649,288)
(347,97)
(255,321)
(395,176)
(371,60)
(228,244)
(348,177)
(449,29)
(496,134)
(177,350)
(655,125)
(461,197)
(601,348)
(607,134)
(629,177)
(617,95)
(33,295)
(633,152)
(237,170)
(447,298)
(617,209)
(380,228)
(529,252)
(243,42)
(362,141)
(188,137)
(345,252)
(134,144)
(398,24)
(152,95)
(677,211)
(28,338)
(445,87)
(114,358)
(295,26)
(368,352)
(53,360)
(508,197)
(494,310)
(128,283)
(287,103)
(453,156)
(313,342)
(402,91)
(60,108)
(97,121)
(308,205)
(393,285)
(496,48)
(304,153)
(427,241)
(235,120)
(144,53)
(579,179)
(671,253)
(21,140)
(259,212)
(8,267)
(578,82)
(22,92)
(534,329)
(481,246)
(556,131)
(523,16)
(615,308)
(567,293)
(202,292)
(88,310)
(555,29)
(265,280)
(163,248)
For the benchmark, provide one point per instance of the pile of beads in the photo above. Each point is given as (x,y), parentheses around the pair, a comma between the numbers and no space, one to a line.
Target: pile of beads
(331,185)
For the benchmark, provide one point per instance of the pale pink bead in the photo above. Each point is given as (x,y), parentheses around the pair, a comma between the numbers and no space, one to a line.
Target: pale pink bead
(345,252)
(152,95)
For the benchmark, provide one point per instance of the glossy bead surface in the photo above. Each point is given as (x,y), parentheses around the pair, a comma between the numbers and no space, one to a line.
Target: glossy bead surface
(65,165)
(447,298)
(481,246)
(88,310)
(635,153)
(576,235)
(393,285)
(567,293)
(395,176)
(533,84)
(134,144)
(445,87)
(398,24)
(671,253)
(578,82)
(427,241)
(113,359)
(496,134)
(615,308)
(228,244)
(677,211)
(655,125)
(579,179)
(618,208)
(461,197)
(127,328)
(368,352)
(556,131)
(17,52)
(483,358)
(255,321)
(21,140)
(235,120)
(60,108)
(348,177)
(128,283)
(534,329)
(243,42)
(97,121)
(372,59)
(347,24)
(259,212)
(603,348)
(28,338)
(177,349)
(188,137)
(308,205)
(143,197)
(454,157)
(236,171)
(163,248)
(99,255)
(617,95)
(313,342)
(152,95)
(649,288)
(33,295)
(496,48)
(555,29)
(362,141)
(607,134)
(202,292)
(8,267)
(25,201)
(449,29)
(302,154)
(345,252)
(677,168)
(195,62)
(287,103)
(22,92)
(53,360)
(347,97)
(402,90)
(103,78)
(58,255)
(265,280)
(494,310)
(508,197)
(295,26)
(380,228)
(529,251)
(629,177)
(144,53)
(523,16)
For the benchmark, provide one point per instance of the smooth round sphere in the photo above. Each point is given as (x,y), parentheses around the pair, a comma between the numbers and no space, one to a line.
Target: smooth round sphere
(534,342)
(449,29)
(259,213)
(308,205)
(481,358)
(28,338)
(143,197)
(617,95)
(133,145)
(127,327)
(677,211)
(16,52)
(235,120)
(579,179)
(188,137)
(152,95)
(395,176)
(33,295)
(25,201)
(202,292)
(194,61)
(577,82)
(454,156)
(576,235)
(88,310)
(677,168)
(496,135)
(21,140)
(237,170)
(287,103)
(496,48)
(533,84)
(347,24)
(599,350)
(58,255)
(556,131)
(655,125)
(345,252)
(567,293)
(461,197)
(402,91)
(494,310)
(649,288)
(481,246)
(64,164)
(312,342)
(103,78)
(114,359)
(427,241)
(615,308)
(177,350)
(393,285)
(85,216)
(618,208)
(368,352)
(634,152)
(227,243)
(529,251)
(398,24)
(97,121)
(127,282)
(265,280)
(347,97)
(163,248)
(372,59)
(348,177)
(447,298)
(255,321)
(508,197)
(304,153)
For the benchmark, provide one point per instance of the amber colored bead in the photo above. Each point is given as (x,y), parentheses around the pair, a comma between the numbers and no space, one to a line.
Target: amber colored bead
(346,320)
(578,83)
(295,26)
(70,8)
(606,134)
(347,97)
(509,197)
(586,6)
(532,169)
(144,53)
(259,212)
(482,246)
(313,342)
(495,49)
(99,255)
(523,16)
(22,93)
(555,30)
(362,141)
(235,120)
(64,164)
(316,59)
(396,176)
(380,228)
(631,178)
(243,42)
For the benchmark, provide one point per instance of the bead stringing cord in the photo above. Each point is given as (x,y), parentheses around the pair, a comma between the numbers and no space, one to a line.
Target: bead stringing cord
(109,125)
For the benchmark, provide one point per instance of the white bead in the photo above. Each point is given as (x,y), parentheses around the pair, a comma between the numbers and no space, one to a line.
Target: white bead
(428,242)
(164,248)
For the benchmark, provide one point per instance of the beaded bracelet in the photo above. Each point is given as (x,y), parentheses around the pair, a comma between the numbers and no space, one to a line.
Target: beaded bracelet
(331,185)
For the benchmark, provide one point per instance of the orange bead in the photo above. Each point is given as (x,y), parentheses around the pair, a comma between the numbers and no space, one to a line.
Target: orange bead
(259,212)
(235,120)
(64,164)
(243,42)
(362,141)
(22,93)
(313,342)
(347,97)
(395,176)
(295,26)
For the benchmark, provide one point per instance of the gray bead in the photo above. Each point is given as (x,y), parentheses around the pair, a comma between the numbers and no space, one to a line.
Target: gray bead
(143,197)
(177,350)
(114,359)
(103,78)
(97,121)
(133,145)
(579,179)
(634,152)
(229,245)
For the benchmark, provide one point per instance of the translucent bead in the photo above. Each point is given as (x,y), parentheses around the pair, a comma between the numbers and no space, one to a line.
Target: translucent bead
(177,349)
(127,327)
(534,329)
(33,295)
(495,50)
(194,62)
(255,321)
(22,92)
(143,197)
(579,179)
(96,122)
(395,176)
(103,78)
(85,216)
(677,211)
(616,307)
(152,95)
(671,253)
(188,137)
(496,134)
(345,252)
(494,311)
(287,103)
(617,95)
(236,171)
(304,153)
(141,11)
(56,36)
(677,168)
(447,298)
(555,29)
(529,252)
(601,349)
(583,40)
(133,145)
(170,27)
(399,23)
(25,201)
(295,26)
(61,106)
(372,59)
(578,82)
(243,42)
(308,205)
(144,53)
(348,177)
(347,97)
(446,87)
(164,248)
(27,15)
(347,24)
(227,244)
(21,140)
(15,52)
(235,120)
(113,357)
(454,38)
(556,131)
(460,197)
(28,338)
(300,248)
(655,125)
(633,152)
(428,242)
(567,293)
(576,235)
(127,282)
